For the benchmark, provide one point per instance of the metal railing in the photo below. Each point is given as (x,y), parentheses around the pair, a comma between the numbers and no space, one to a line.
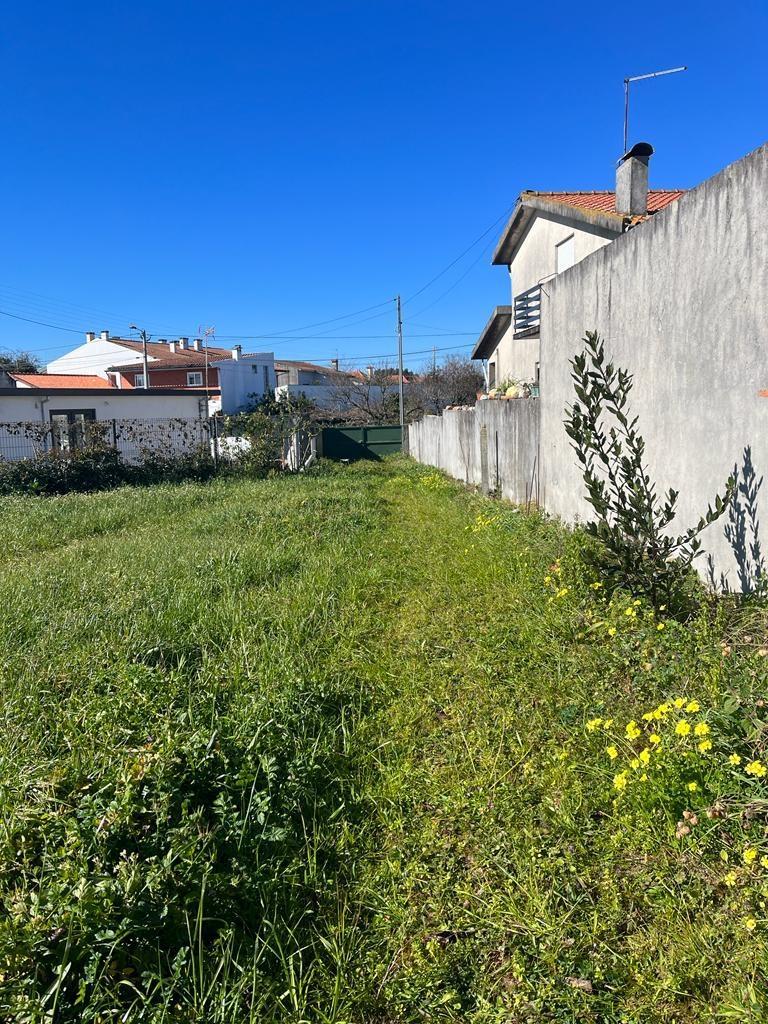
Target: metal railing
(528,310)
(133,439)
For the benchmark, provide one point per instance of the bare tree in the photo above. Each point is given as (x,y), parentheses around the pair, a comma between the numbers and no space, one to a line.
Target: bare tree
(455,381)
(370,397)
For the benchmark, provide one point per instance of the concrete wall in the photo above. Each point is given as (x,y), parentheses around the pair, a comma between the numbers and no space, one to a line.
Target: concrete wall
(454,442)
(681,301)
(32,404)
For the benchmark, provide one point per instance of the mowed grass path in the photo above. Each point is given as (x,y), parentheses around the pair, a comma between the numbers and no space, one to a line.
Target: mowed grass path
(314,749)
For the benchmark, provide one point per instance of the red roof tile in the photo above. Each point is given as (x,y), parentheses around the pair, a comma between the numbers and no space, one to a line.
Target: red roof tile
(61,380)
(605,202)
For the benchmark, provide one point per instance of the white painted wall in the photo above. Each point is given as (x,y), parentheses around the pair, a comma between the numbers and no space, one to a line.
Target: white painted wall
(515,358)
(242,381)
(30,404)
(94,357)
(536,259)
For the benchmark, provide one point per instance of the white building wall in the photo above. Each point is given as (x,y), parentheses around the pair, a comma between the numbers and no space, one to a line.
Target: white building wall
(30,404)
(94,357)
(245,380)
(536,258)
(515,358)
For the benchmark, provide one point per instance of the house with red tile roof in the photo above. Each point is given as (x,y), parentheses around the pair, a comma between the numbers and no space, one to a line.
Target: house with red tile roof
(547,233)
(177,363)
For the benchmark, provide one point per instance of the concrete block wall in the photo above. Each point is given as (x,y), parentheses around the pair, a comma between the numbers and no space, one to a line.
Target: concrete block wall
(509,431)
(682,302)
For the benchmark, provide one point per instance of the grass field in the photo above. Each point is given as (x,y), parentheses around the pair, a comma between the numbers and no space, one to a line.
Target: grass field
(362,747)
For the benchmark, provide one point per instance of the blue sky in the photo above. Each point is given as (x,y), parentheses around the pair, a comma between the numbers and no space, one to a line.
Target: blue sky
(262,167)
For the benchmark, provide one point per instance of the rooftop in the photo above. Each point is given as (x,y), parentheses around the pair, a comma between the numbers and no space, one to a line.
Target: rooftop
(597,209)
(60,380)
(498,324)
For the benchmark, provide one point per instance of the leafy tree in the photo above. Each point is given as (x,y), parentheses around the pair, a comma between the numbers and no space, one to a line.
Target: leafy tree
(20,362)
(637,550)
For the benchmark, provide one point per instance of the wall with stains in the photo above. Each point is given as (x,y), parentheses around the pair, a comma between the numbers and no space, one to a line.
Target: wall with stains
(682,302)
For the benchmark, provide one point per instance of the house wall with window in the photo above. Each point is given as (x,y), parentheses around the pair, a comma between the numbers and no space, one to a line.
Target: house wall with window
(245,380)
(514,359)
(551,245)
(177,377)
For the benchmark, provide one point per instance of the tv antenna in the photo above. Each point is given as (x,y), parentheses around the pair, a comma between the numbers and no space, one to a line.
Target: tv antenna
(640,78)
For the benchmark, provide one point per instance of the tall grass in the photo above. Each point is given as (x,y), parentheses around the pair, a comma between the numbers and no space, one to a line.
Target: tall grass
(317,750)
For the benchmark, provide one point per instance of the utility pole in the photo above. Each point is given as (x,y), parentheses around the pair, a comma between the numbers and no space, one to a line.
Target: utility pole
(144,339)
(400,362)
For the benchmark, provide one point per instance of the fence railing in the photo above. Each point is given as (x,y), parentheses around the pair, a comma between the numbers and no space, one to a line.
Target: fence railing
(528,310)
(134,439)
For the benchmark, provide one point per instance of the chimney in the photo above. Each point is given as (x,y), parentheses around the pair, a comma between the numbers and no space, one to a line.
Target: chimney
(369,371)
(237,351)
(105,335)
(162,341)
(172,346)
(335,364)
(183,343)
(90,336)
(196,344)
(632,181)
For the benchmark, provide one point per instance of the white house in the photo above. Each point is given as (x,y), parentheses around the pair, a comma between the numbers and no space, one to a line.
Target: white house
(229,379)
(547,234)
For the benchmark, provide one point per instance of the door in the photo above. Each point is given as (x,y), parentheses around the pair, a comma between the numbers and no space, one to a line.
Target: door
(69,428)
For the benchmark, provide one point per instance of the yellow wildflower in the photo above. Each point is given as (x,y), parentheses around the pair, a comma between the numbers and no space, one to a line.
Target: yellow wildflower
(634,763)
(620,781)
(593,723)
(648,716)
(730,878)
(608,723)
(630,613)
(679,702)
(663,709)
(734,759)
(692,786)
(705,746)
(655,739)
(661,626)
(750,855)
(701,729)
(644,756)
(636,604)
(595,586)
(750,924)
(612,752)
(764,861)
(632,730)
(692,706)
(756,768)
(547,579)
(682,728)
(611,631)
(562,592)
(644,777)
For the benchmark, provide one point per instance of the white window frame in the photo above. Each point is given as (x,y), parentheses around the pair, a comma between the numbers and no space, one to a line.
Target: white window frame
(194,378)
(138,380)
(571,239)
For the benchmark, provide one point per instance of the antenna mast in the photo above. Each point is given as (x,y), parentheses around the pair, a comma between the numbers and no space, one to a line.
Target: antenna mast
(640,78)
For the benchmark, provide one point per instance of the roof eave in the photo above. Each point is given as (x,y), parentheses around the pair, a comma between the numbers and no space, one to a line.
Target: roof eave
(529,204)
(498,324)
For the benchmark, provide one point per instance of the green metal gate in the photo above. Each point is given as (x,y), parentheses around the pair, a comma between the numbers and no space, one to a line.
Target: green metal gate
(359,442)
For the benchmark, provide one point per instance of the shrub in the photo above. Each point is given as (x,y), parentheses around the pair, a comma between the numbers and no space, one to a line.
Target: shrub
(636,549)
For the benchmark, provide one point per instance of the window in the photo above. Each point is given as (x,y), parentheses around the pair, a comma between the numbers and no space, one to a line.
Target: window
(69,427)
(195,379)
(138,380)
(266,379)
(491,375)
(564,253)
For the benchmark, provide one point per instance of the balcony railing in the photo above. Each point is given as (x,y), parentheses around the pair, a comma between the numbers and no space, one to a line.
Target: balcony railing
(528,311)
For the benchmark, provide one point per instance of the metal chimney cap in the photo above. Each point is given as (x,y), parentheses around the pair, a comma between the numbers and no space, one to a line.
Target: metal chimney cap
(641,150)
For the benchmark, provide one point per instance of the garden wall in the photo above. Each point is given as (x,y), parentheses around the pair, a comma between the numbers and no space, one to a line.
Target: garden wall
(493,445)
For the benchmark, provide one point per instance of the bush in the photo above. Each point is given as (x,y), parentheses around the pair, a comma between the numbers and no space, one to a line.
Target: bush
(90,469)
(637,551)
